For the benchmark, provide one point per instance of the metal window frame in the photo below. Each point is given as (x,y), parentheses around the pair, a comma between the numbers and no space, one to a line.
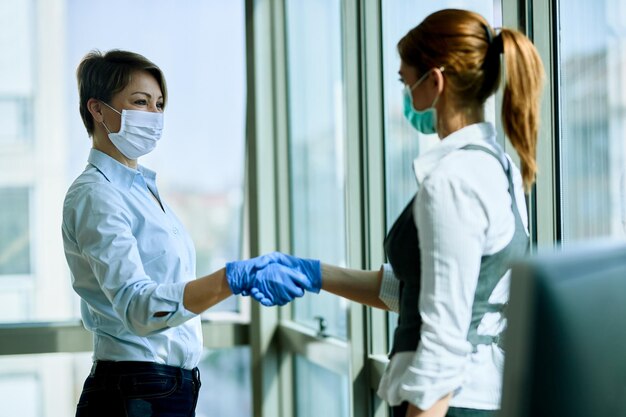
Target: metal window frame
(546,202)
(364,222)
(537,20)
(72,337)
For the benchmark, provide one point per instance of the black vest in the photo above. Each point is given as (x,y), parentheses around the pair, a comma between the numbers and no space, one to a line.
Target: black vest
(402,250)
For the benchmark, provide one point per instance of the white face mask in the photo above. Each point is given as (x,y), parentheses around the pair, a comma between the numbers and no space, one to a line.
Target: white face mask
(139,132)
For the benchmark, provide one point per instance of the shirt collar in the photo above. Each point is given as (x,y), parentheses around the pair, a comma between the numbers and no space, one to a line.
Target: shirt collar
(476,134)
(118,174)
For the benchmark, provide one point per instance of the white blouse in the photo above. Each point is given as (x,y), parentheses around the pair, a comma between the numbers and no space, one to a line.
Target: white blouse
(462,212)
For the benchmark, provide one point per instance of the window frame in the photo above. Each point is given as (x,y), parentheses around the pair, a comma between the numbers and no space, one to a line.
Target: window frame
(367,342)
(221,330)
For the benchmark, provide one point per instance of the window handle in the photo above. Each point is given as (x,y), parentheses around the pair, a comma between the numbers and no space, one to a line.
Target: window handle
(322,326)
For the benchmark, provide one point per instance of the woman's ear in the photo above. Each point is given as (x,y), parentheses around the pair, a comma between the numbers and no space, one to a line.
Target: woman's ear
(438,79)
(95,108)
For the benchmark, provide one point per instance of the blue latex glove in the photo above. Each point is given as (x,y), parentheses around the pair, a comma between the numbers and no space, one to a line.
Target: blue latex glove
(239,274)
(311,268)
(277,285)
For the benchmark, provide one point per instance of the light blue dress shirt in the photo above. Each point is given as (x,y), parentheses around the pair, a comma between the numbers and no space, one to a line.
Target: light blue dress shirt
(130,259)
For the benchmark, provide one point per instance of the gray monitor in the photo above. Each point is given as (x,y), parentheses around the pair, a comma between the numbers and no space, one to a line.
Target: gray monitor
(566,337)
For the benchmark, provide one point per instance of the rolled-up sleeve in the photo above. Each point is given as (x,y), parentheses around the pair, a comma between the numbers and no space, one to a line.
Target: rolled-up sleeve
(103,235)
(390,289)
(451,227)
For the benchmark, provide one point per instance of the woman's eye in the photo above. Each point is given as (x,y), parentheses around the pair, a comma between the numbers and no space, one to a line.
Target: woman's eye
(140,102)
(160,106)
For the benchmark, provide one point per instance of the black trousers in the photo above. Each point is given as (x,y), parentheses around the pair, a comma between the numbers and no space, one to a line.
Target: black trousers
(139,389)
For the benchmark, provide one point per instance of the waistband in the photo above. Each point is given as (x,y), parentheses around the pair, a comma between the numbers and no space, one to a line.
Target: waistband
(102,368)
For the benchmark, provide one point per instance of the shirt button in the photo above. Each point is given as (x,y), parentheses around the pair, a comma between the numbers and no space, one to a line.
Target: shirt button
(175,231)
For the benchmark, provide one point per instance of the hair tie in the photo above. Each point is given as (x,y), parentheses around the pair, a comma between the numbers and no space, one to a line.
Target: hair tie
(489,35)
(497,45)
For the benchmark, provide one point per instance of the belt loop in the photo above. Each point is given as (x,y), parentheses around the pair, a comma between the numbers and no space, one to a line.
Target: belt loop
(196,380)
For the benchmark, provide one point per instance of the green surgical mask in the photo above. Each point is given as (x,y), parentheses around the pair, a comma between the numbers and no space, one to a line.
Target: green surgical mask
(424,121)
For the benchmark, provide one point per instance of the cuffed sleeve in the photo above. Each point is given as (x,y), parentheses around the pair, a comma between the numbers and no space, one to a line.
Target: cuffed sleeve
(146,299)
(390,289)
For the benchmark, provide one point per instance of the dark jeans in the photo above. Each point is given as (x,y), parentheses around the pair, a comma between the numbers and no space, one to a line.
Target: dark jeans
(400,411)
(139,389)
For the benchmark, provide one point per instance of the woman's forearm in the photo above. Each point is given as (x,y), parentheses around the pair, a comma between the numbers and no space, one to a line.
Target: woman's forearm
(353,284)
(205,292)
(356,285)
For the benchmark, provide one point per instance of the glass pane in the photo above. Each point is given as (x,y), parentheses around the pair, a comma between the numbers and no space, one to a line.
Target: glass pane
(403,143)
(319,392)
(317,142)
(17,77)
(17,61)
(50,385)
(42,385)
(592,68)
(226,389)
(15,232)
(15,118)
(199,161)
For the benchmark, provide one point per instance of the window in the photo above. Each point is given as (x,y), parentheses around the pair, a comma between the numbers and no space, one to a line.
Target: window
(200,46)
(49,385)
(15,254)
(592,122)
(199,160)
(329,397)
(17,71)
(226,385)
(316,103)
(403,143)
(16,118)
(317,141)
(15,231)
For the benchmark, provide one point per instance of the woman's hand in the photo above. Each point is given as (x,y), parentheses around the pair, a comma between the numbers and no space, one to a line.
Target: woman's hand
(277,284)
(439,409)
(274,278)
